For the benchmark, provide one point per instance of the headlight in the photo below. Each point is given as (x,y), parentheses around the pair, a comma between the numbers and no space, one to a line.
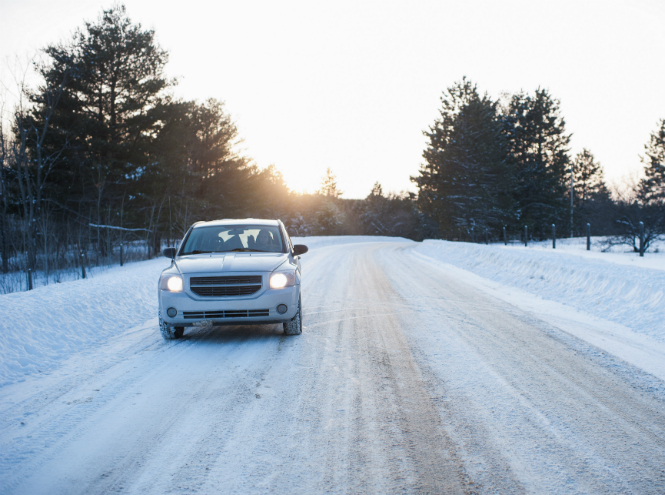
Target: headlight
(171,283)
(280,280)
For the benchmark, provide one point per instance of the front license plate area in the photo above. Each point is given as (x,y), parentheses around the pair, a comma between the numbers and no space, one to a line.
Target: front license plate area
(203,323)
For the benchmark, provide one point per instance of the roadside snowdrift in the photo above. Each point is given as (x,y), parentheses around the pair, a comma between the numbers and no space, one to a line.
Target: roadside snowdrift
(632,296)
(42,327)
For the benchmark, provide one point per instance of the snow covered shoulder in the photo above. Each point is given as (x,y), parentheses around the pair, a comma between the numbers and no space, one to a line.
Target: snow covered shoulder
(603,286)
(615,301)
(42,327)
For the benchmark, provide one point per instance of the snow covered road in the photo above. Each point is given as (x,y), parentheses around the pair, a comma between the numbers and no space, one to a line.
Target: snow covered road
(407,378)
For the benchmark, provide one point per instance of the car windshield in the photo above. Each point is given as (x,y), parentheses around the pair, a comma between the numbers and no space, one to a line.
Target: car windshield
(238,238)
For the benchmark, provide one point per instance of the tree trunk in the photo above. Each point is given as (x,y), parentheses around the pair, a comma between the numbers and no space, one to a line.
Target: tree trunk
(3,235)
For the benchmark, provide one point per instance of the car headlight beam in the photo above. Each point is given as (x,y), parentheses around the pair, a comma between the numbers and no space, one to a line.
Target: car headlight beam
(279,280)
(174,284)
(171,283)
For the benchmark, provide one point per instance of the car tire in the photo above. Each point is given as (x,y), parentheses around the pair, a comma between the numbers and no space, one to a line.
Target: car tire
(294,326)
(169,332)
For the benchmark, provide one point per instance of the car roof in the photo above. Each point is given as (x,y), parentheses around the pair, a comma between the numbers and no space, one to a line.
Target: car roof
(237,221)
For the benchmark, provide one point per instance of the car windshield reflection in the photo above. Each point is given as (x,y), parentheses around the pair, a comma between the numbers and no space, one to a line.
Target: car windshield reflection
(220,239)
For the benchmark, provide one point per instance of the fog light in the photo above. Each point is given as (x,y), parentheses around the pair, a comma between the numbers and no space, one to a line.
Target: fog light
(282,308)
(172,312)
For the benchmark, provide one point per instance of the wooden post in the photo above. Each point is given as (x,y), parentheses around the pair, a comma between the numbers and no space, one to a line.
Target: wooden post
(505,239)
(121,254)
(82,265)
(487,238)
(588,237)
(30,287)
(642,239)
(526,235)
(553,236)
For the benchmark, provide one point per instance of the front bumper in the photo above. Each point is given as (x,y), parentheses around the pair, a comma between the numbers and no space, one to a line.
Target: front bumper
(229,310)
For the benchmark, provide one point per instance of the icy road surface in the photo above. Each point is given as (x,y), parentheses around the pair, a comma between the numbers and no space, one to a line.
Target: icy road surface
(406,379)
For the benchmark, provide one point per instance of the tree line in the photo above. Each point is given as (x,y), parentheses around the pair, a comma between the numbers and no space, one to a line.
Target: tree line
(101,154)
(494,164)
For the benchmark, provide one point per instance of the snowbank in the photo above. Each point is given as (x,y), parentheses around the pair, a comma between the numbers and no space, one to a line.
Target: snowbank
(42,327)
(600,250)
(607,285)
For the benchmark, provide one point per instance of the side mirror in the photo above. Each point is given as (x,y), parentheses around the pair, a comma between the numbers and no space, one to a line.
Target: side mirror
(169,253)
(299,249)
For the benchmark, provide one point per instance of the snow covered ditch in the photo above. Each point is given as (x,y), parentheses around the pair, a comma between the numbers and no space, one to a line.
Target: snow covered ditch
(619,287)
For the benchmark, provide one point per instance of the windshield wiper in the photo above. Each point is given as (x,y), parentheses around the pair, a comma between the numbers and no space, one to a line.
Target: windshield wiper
(196,251)
(237,250)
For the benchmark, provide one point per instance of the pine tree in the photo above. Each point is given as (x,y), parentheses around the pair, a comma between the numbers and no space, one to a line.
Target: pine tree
(465,181)
(329,218)
(128,144)
(329,185)
(538,152)
(106,115)
(591,198)
(588,180)
(375,217)
(191,161)
(376,192)
(651,189)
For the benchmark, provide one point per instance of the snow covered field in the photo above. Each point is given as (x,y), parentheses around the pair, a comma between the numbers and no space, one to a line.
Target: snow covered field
(423,366)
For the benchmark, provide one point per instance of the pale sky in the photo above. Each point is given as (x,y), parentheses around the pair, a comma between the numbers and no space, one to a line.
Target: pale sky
(352,85)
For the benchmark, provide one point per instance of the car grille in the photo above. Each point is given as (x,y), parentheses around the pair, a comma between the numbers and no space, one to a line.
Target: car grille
(225,286)
(249,279)
(243,313)
(233,290)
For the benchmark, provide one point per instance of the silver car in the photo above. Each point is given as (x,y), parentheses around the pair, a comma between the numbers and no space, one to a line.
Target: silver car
(232,272)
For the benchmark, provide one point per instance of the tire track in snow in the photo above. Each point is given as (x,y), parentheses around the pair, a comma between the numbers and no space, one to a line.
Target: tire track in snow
(404,380)
(522,394)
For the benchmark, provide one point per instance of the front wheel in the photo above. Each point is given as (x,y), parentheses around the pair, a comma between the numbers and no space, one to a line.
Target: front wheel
(169,332)
(294,326)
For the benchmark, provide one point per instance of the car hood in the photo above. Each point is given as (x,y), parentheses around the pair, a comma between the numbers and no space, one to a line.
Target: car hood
(230,262)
